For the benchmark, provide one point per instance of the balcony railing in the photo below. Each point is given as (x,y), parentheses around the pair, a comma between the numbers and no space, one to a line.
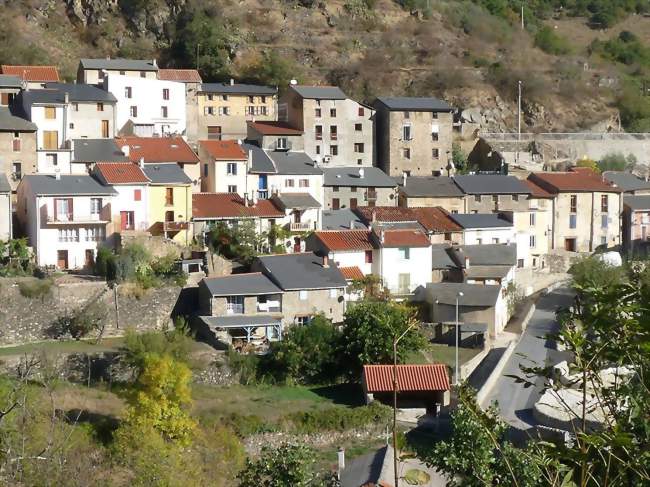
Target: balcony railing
(73,218)
(300,226)
(371,195)
(234,308)
(269,307)
(263,194)
(175,226)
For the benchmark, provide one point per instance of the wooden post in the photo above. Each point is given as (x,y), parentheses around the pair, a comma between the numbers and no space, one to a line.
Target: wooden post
(117,308)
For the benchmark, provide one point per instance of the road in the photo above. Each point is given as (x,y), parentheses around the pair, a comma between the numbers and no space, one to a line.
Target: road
(516,402)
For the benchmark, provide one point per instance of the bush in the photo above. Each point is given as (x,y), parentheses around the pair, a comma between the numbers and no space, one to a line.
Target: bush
(548,41)
(80,323)
(616,161)
(593,272)
(105,263)
(340,418)
(175,343)
(35,288)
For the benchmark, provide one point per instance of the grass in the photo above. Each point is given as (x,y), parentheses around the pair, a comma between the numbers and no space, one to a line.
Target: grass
(440,353)
(63,346)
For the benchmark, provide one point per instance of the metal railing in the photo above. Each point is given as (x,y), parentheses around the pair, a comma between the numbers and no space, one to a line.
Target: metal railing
(300,226)
(269,307)
(234,308)
(76,218)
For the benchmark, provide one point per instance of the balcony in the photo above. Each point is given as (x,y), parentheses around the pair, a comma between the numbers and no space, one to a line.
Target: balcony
(269,307)
(300,226)
(175,226)
(281,144)
(234,308)
(73,218)
(263,194)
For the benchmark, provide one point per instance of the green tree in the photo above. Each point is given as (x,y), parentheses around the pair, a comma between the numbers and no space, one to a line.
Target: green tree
(290,465)
(616,161)
(241,241)
(176,343)
(459,158)
(273,69)
(369,329)
(548,41)
(589,164)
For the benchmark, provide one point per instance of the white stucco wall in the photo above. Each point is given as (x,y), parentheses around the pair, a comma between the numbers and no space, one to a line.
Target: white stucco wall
(488,235)
(418,266)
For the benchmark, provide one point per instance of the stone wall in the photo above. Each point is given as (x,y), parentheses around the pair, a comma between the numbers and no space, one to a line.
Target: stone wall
(25,320)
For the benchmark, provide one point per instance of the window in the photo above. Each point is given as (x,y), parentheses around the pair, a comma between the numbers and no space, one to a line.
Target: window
(334,150)
(52,159)
(353,189)
(214,132)
(169,196)
(288,183)
(333,112)
(515,197)
(479,241)
(50,139)
(100,107)
(137,195)
(205,170)
(604,203)
(143,74)
(317,113)
(208,110)
(50,113)
(495,240)
(368,256)
(16,168)
(520,263)
(282,143)
(63,209)
(231,169)
(263,99)
(232,188)
(434,136)
(224,111)
(163,112)
(210,97)
(303,295)
(407,115)
(165,93)
(358,127)
(572,221)
(353,203)
(15,144)
(333,293)
(335,189)
(133,111)
(333,132)
(406,153)
(447,236)
(434,115)
(404,253)
(318,149)
(251,99)
(435,153)
(303,320)
(319,132)
(361,112)
(71,125)
(224,97)
(336,203)
(532,241)
(128,92)
(477,198)
(359,162)
(303,183)
(531,219)
(95,206)
(603,221)
(75,107)
(359,148)
(406,132)
(574,203)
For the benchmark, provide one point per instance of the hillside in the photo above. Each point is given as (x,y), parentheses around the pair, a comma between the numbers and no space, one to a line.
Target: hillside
(451,49)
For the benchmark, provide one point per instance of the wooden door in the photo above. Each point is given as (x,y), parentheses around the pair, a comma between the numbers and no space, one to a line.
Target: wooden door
(90,258)
(126,220)
(570,244)
(105,129)
(50,139)
(62,259)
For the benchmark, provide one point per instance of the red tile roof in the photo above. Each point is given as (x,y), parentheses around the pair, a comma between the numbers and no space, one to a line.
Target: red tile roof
(345,239)
(121,173)
(574,181)
(436,219)
(231,205)
(181,75)
(159,149)
(386,213)
(224,150)
(537,191)
(351,273)
(274,128)
(32,73)
(405,238)
(425,377)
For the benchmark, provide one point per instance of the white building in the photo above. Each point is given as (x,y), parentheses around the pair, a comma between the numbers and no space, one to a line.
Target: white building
(94,71)
(224,167)
(66,218)
(147,107)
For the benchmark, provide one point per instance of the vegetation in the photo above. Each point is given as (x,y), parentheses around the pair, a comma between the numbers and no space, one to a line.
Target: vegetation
(15,259)
(175,343)
(589,164)
(551,43)
(616,161)
(241,242)
(79,323)
(35,288)
(290,464)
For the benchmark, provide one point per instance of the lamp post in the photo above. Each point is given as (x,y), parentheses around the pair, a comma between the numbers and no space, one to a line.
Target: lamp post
(457,374)
(395,342)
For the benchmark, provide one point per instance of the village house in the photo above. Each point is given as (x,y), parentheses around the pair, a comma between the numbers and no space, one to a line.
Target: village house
(94,71)
(224,167)
(6,209)
(586,210)
(87,152)
(65,217)
(489,264)
(343,219)
(225,108)
(636,223)
(17,147)
(338,131)
(627,182)
(10,86)
(275,136)
(540,221)
(423,191)
(163,150)
(349,187)
(192,81)
(32,77)
(414,136)
(488,228)
(293,172)
(301,216)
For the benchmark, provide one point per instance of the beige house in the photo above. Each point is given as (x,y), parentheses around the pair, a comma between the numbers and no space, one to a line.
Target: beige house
(93,71)
(224,108)
(429,191)
(17,147)
(275,136)
(349,187)
(539,224)
(192,81)
(636,223)
(586,210)
(414,136)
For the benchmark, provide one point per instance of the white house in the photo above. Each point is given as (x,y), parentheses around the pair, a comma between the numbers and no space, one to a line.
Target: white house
(224,167)
(130,205)
(66,218)
(147,107)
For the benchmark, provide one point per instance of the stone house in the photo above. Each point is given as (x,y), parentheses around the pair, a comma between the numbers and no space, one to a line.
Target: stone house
(32,77)
(349,187)
(627,182)
(224,108)
(428,191)
(275,136)
(338,131)
(224,167)
(94,71)
(540,221)
(17,147)
(192,81)
(636,223)
(414,136)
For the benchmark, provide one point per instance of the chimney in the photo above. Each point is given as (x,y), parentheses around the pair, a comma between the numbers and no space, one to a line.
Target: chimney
(293,82)
(155,63)
(404,176)
(141,163)
(66,97)
(351,224)
(361,172)
(326,261)
(373,216)
(382,237)
(466,262)
(125,150)
(341,458)
(246,199)
(232,81)
(57,174)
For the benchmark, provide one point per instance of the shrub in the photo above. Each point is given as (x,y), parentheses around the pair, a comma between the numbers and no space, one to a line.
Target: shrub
(616,161)
(80,323)
(175,343)
(244,365)
(35,288)
(105,263)
(548,41)
(339,418)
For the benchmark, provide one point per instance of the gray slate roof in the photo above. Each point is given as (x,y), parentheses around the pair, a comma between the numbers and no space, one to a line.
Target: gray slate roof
(480,220)
(641,202)
(260,162)
(166,174)
(491,184)
(82,92)
(350,176)
(413,104)
(302,271)
(237,321)
(488,254)
(9,81)
(320,92)
(293,163)
(478,295)
(119,64)
(487,272)
(340,220)
(626,181)
(422,187)
(238,89)
(46,185)
(97,150)
(5,187)
(300,201)
(441,258)
(251,284)
(12,123)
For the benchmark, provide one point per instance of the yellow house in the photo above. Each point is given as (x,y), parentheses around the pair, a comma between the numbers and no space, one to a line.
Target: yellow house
(170,201)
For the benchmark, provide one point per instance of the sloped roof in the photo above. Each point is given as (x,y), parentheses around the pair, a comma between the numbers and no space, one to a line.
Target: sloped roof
(405,238)
(180,75)
(440,258)
(237,321)
(341,220)
(302,271)
(46,185)
(357,176)
(261,163)
(12,123)
(250,284)
(626,181)
(346,240)
(572,181)
(351,273)
(10,81)
(274,128)
(537,191)
(5,187)
(121,173)
(480,220)
(119,64)
(487,254)
(420,377)
(293,163)
(32,73)
(475,295)
(487,271)
(491,184)
(97,150)
(301,201)
(319,92)
(385,214)
(429,187)
(414,104)
(238,89)
(159,149)
(224,150)
(435,219)
(639,202)
(79,92)
(230,205)
(166,174)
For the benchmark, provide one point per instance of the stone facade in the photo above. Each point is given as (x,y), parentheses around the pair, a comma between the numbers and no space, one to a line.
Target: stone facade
(453,204)
(495,203)
(326,301)
(23,159)
(351,197)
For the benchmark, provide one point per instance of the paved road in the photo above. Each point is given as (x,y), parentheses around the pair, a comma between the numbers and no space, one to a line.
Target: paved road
(515,401)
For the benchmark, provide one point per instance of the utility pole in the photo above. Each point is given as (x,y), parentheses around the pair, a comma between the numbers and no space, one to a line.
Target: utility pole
(518,118)
(457,374)
(198,46)
(522,16)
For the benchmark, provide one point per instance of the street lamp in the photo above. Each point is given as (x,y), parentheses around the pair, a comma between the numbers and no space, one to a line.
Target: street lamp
(457,374)
(395,342)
